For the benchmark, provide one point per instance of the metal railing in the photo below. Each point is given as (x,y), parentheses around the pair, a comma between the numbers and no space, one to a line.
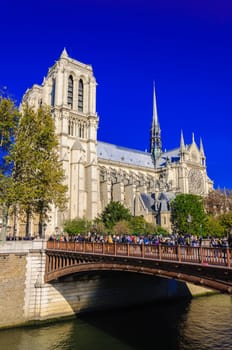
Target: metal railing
(195,255)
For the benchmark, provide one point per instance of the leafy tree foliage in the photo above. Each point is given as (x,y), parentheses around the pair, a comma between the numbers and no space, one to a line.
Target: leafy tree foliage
(75,226)
(138,224)
(8,125)
(226,222)
(188,214)
(121,227)
(214,227)
(114,212)
(38,176)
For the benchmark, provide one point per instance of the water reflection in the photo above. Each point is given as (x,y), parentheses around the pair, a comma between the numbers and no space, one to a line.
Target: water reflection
(198,324)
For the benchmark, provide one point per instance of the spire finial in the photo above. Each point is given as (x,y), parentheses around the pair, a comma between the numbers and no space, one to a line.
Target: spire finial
(64,53)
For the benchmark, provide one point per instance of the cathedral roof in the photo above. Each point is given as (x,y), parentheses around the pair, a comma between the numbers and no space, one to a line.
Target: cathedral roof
(149,201)
(115,153)
(134,157)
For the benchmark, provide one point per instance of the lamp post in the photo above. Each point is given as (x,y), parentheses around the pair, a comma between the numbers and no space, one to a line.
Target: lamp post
(44,229)
(189,220)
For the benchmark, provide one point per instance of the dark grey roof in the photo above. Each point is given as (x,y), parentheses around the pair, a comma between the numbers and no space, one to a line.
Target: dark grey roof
(148,201)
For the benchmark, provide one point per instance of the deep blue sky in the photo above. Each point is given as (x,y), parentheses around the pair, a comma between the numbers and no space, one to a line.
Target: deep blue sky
(184,46)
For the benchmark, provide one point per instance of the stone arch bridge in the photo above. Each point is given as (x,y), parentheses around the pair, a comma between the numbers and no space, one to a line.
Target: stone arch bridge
(204,266)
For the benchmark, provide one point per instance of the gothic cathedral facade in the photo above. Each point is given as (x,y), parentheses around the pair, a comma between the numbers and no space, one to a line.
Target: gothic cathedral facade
(98,172)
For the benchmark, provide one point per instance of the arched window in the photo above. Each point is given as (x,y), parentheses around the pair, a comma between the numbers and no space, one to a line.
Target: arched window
(70,91)
(80,95)
(53,92)
(71,127)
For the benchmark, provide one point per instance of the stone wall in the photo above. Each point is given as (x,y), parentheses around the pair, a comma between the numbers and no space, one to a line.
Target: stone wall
(12,287)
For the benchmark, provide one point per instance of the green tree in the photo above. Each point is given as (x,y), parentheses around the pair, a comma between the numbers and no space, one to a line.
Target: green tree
(214,227)
(38,176)
(226,222)
(140,226)
(75,226)
(188,214)
(8,124)
(114,212)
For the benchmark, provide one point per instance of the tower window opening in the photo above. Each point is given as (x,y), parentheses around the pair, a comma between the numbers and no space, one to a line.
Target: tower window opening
(70,91)
(71,127)
(80,95)
(53,92)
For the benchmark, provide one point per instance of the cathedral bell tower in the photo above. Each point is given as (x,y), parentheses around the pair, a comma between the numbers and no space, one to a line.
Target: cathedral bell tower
(70,89)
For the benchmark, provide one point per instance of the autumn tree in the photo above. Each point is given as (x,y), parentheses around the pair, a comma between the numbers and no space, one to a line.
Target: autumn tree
(8,125)
(38,176)
(218,202)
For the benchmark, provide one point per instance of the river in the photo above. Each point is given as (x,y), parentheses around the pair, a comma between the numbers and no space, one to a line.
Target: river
(203,323)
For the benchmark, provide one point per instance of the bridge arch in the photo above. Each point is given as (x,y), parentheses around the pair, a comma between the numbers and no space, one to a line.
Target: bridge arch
(61,264)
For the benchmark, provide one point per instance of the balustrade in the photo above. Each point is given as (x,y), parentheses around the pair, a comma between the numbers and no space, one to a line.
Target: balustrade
(194,255)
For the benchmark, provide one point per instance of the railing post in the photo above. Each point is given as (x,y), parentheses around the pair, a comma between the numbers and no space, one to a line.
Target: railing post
(178,252)
(128,249)
(228,256)
(142,250)
(114,247)
(92,247)
(83,246)
(200,254)
(159,249)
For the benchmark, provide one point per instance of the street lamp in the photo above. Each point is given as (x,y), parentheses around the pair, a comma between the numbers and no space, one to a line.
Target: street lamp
(189,220)
(44,229)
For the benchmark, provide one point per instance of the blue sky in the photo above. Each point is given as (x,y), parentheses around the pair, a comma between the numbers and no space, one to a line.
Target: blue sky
(184,46)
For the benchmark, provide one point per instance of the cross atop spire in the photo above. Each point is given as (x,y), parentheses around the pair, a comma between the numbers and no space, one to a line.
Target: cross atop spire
(155,140)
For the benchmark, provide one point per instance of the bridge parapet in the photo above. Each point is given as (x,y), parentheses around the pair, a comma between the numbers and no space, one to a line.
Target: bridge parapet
(210,267)
(23,246)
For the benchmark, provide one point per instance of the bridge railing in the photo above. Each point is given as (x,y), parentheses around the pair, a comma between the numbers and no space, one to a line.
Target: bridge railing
(199,255)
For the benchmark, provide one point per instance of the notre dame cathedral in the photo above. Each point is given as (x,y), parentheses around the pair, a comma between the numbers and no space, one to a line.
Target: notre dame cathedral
(99,172)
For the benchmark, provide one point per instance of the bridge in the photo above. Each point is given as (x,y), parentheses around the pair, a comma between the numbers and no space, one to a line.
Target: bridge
(205,266)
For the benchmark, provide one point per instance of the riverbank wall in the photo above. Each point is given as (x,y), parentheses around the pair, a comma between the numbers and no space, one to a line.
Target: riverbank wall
(26,299)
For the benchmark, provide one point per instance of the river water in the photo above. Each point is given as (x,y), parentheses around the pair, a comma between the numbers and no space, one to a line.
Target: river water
(203,323)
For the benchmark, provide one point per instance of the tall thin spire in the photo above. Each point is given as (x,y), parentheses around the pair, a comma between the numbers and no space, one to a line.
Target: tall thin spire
(202,148)
(193,137)
(182,144)
(155,140)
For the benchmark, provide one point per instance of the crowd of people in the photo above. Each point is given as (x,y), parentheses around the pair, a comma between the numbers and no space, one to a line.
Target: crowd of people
(170,240)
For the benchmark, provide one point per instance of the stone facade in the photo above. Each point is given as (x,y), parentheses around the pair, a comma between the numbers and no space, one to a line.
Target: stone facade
(98,172)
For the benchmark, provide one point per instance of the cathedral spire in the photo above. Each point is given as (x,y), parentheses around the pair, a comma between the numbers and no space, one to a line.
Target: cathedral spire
(193,138)
(202,148)
(155,140)
(182,144)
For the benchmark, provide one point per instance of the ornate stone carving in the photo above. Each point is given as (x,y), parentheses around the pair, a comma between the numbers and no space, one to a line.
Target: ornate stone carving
(195,181)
